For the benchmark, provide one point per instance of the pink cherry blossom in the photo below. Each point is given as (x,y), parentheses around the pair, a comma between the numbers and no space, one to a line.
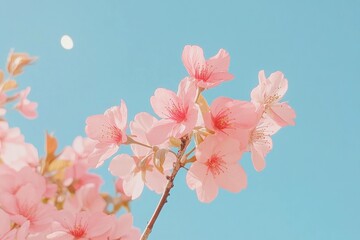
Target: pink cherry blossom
(86,198)
(26,205)
(143,123)
(81,225)
(12,181)
(260,142)
(109,132)
(268,94)
(77,176)
(216,166)
(123,229)
(179,112)
(139,170)
(135,172)
(29,159)
(228,116)
(206,73)
(24,106)
(79,151)
(13,149)
(10,138)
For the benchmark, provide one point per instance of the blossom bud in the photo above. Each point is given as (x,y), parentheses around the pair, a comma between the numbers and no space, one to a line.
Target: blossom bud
(175,142)
(159,159)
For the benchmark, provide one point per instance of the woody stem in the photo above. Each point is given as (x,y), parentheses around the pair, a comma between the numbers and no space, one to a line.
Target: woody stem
(170,184)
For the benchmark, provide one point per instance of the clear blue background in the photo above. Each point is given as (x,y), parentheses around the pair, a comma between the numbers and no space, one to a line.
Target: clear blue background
(126,49)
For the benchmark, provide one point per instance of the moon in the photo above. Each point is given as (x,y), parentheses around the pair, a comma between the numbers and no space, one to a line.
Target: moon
(67,42)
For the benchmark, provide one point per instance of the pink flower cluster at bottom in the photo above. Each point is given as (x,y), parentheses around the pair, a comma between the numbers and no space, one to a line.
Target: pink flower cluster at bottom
(36,206)
(54,197)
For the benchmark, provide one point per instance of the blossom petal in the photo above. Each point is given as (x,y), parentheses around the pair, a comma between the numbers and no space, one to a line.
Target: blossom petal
(160,132)
(26,107)
(140,127)
(258,159)
(23,231)
(195,175)
(101,153)
(220,61)
(133,186)
(191,57)
(142,124)
(279,84)
(162,101)
(117,115)
(199,178)
(155,181)
(233,179)
(94,124)
(122,165)
(258,93)
(187,91)
(208,190)
(282,114)
(228,149)
(98,224)
(59,235)
(123,226)
(185,127)
(205,149)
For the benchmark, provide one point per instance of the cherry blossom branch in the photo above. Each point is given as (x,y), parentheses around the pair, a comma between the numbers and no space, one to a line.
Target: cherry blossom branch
(170,184)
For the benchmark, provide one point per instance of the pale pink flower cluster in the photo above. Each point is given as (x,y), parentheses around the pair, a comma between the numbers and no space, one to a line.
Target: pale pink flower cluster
(60,201)
(53,197)
(220,133)
(57,197)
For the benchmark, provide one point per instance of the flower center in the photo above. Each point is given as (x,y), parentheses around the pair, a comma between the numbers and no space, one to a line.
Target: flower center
(271,99)
(177,112)
(110,134)
(259,135)
(28,211)
(221,120)
(203,71)
(78,231)
(216,165)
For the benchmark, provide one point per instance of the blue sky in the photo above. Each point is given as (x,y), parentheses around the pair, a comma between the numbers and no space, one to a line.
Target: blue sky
(126,49)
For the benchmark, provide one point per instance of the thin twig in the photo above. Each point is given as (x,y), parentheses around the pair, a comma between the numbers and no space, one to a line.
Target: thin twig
(130,140)
(191,151)
(169,186)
